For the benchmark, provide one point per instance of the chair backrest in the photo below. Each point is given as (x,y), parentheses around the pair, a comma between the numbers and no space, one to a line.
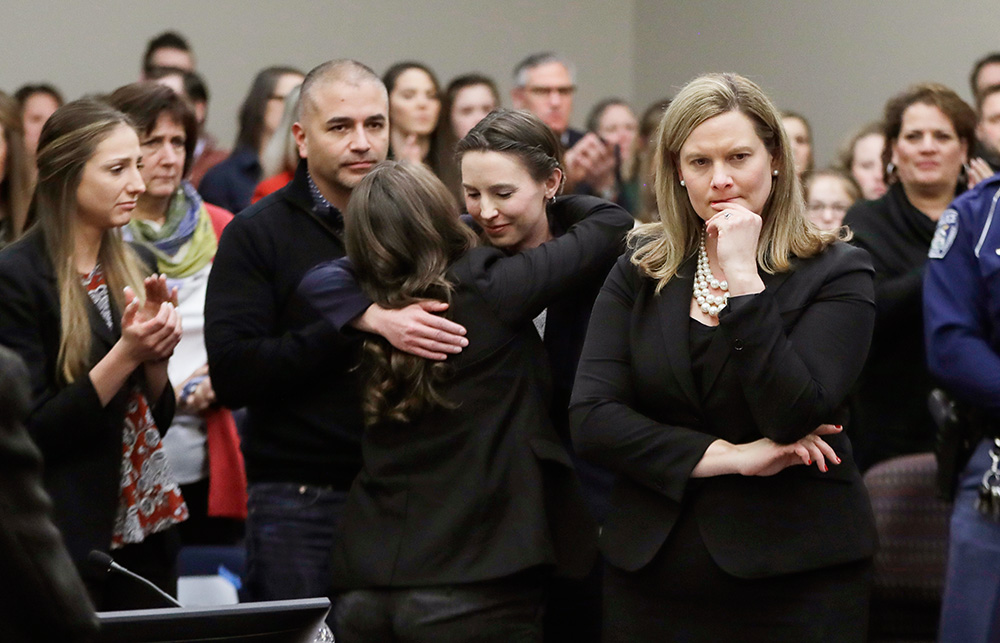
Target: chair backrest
(912,525)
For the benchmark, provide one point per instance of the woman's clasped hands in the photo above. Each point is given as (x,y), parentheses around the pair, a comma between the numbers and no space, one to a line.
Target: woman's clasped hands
(151,328)
(765,457)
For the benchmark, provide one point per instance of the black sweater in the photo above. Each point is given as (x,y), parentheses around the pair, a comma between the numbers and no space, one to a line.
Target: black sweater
(890,402)
(270,351)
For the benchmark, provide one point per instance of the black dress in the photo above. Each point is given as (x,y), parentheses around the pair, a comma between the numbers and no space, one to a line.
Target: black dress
(683,595)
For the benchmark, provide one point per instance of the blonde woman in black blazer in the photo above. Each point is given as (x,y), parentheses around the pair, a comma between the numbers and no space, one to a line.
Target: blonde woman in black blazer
(718,399)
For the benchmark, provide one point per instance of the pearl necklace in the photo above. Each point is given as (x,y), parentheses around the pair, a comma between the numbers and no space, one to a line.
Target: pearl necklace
(705,281)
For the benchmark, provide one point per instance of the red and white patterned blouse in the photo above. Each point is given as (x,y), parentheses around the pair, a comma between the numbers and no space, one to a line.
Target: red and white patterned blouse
(150,499)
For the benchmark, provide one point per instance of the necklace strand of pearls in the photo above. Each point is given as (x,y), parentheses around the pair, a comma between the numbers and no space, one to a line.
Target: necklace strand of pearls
(705,282)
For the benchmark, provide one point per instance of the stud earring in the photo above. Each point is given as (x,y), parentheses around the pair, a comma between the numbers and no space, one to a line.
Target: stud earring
(890,168)
(775,173)
(682,183)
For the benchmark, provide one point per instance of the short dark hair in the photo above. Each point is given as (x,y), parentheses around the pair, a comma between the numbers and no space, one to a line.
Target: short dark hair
(338,70)
(165,40)
(145,101)
(254,105)
(989,59)
(27,91)
(983,95)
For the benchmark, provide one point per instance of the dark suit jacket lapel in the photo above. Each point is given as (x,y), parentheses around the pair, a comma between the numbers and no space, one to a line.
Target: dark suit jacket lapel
(674,303)
(719,351)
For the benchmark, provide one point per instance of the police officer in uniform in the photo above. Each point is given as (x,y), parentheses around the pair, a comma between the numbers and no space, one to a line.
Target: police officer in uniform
(962,326)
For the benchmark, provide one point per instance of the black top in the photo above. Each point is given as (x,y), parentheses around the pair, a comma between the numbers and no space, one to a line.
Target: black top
(80,438)
(270,351)
(484,490)
(700,337)
(890,402)
(780,363)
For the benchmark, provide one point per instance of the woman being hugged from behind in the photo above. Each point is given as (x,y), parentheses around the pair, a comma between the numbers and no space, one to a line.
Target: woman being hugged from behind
(97,353)
(466,445)
(713,383)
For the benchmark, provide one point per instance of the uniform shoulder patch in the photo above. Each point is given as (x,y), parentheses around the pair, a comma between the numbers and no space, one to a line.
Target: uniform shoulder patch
(944,235)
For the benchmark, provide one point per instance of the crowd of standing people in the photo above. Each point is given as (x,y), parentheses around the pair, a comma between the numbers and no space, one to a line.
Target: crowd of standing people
(477,375)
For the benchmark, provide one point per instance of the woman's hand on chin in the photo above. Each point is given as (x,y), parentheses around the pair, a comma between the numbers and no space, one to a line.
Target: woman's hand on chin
(736,238)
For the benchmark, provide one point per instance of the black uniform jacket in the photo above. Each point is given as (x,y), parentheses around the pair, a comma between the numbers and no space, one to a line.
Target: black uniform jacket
(780,364)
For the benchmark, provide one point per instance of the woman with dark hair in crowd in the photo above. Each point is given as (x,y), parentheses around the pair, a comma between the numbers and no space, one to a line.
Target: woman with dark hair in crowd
(15,173)
(929,132)
(467,100)
(862,159)
(231,183)
(97,353)
(640,190)
(800,135)
(613,120)
(414,108)
(37,102)
(829,195)
(718,351)
(496,392)
(171,221)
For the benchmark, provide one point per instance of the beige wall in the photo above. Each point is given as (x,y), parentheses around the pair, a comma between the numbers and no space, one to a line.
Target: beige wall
(96,46)
(836,62)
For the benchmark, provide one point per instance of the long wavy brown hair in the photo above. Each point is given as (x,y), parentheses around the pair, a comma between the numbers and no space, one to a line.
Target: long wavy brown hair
(402,233)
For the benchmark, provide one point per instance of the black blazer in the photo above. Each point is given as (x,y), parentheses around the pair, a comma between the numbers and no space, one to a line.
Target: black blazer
(484,490)
(780,364)
(40,591)
(81,441)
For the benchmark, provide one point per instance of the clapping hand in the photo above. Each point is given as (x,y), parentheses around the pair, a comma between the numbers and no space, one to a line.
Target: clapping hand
(151,329)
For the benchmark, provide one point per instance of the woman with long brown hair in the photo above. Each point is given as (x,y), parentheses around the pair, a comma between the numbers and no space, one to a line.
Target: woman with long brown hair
(467,445)
(15,173)
(97,351)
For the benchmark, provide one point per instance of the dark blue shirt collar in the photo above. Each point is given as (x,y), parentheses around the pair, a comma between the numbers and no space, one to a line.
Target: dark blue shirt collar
(321,206)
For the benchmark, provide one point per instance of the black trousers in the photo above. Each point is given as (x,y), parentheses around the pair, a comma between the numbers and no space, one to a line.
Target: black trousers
(682,595)
(507,610)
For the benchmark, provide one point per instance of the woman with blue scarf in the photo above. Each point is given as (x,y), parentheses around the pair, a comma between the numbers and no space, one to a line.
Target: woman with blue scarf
(173,222)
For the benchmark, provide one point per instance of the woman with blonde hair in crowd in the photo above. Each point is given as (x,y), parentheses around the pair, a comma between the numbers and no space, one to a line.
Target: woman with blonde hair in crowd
(281,156)
(829,194)
(713,382)
(800,136)
(15,173)
(97,353)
